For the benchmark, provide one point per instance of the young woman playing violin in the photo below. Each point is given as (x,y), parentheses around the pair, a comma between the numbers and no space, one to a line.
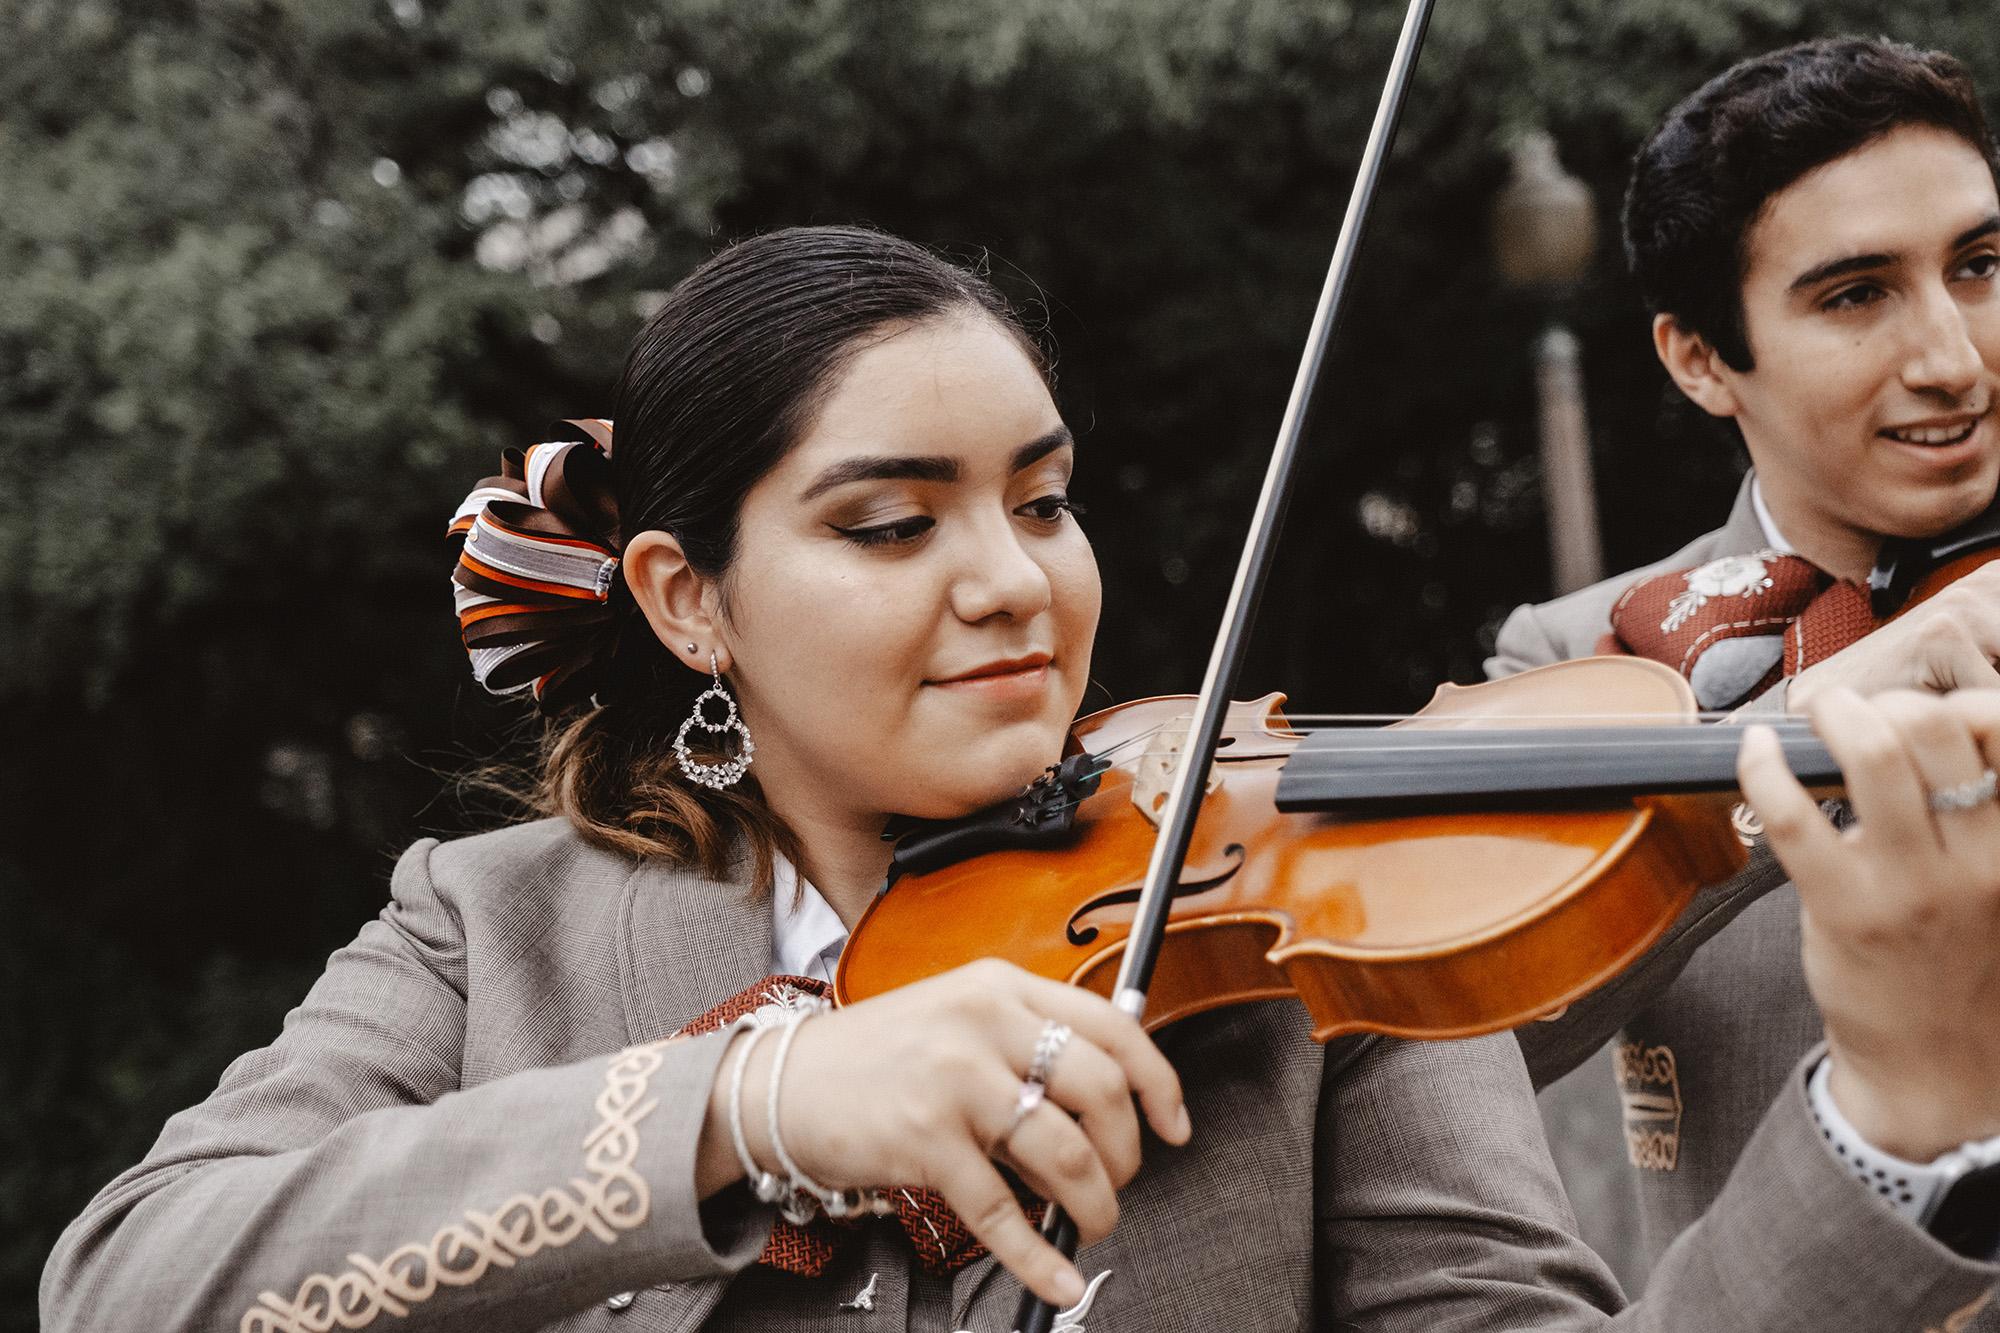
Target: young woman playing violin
(576,1074)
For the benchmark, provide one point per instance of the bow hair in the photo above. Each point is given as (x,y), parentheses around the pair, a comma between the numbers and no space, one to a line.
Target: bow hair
(538,565)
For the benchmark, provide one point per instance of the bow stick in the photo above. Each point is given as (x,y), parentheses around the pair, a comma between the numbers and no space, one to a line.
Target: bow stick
(1177,819)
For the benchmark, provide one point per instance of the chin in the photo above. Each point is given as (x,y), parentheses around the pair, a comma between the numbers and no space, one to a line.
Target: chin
(1952,508)
(975,776)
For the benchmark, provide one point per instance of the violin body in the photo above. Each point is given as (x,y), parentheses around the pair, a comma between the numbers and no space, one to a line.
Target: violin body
(1427,925)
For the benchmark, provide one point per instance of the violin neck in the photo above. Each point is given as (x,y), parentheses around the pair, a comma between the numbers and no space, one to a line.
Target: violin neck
(1409,770)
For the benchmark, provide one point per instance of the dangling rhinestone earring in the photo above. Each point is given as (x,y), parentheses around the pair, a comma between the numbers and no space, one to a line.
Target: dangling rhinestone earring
(730,771)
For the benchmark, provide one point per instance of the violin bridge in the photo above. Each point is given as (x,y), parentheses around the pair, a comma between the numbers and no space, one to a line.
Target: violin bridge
(1153,778)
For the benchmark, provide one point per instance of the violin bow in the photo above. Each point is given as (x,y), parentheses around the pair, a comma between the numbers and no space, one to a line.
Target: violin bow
(1225,660)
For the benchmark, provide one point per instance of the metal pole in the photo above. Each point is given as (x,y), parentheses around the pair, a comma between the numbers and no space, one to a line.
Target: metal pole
(1569,492)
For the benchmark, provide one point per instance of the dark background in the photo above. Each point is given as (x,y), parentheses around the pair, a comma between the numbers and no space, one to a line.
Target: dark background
(279,278)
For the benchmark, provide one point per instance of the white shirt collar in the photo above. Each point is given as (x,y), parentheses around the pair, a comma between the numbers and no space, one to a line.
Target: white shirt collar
(807,935)
(1773,537)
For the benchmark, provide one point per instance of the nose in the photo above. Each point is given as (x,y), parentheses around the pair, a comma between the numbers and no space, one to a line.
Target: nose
(1944,360)
(998,576)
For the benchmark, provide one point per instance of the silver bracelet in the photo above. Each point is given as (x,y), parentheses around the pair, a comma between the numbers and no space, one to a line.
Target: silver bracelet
(806,1192)
(764,1184)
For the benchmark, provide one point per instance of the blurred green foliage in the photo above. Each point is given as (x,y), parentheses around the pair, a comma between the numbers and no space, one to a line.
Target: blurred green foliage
(282,276)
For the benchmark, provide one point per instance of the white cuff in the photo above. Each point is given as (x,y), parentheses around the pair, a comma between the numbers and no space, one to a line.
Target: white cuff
(1913,1189)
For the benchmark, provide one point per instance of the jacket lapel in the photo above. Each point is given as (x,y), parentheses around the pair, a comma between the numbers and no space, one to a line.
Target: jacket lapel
(687,943)
(969,1284)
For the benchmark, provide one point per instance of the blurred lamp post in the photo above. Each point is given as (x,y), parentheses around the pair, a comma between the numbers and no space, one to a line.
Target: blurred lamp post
(1544,235)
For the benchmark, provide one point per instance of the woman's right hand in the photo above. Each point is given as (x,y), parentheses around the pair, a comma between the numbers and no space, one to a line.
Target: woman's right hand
(918,1087)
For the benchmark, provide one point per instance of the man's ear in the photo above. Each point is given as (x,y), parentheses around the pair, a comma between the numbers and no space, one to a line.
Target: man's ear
(674,599)
(1694,366)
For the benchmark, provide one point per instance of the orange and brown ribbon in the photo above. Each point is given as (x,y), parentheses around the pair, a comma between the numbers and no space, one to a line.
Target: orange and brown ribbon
(537,569)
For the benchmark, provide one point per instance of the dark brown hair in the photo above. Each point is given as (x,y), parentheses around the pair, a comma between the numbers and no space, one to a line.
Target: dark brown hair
(1702,178)
(722,383)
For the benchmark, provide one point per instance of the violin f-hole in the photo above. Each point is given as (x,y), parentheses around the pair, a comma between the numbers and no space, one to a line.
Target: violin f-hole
(1186,888)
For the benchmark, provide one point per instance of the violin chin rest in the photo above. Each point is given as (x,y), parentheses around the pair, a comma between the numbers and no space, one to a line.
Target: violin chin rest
(1042,815)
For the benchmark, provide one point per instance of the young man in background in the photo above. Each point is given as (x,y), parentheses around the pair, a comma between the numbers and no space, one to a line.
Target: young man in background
(1817,232)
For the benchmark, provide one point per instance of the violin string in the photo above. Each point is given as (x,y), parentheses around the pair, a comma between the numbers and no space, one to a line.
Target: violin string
(1329,721)
(1115,756)
(1553,748)
(1495,738)
(1662,739)
(1333,721)
(1137,739)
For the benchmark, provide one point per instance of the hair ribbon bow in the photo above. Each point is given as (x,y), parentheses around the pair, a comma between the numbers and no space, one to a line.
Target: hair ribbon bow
(538,567)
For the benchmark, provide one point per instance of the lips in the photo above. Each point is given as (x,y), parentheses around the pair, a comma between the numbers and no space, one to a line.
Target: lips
(1937,433)
(999,669)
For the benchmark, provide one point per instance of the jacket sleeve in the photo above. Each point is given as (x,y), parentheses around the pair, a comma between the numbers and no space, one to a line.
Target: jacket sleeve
(1523,642)
(340,1177)
(1440,1210)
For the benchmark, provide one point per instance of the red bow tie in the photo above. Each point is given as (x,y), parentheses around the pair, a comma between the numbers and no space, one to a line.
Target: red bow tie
(1736,626)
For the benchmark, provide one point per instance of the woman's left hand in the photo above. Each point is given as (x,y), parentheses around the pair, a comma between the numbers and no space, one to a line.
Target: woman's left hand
(1900,911)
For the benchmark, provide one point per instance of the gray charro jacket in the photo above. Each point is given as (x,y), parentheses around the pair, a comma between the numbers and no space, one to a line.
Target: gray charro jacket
(1708,1039)
(473,1122)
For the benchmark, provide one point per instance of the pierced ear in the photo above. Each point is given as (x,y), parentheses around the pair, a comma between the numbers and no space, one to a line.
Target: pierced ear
(674,599)
(1694,366)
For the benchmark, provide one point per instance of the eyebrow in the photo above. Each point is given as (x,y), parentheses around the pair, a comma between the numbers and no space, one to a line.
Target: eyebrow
(1839,268)
(922,467)
(1990,227)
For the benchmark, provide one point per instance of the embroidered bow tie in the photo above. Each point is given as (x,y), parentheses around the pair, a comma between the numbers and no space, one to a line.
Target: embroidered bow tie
(942,1242)
(1736,626)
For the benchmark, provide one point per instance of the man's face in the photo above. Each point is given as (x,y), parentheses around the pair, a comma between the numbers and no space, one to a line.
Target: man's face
(1872,302)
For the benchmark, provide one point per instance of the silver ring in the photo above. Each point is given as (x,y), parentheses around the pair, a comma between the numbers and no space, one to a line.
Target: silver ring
(1967,795)
(1048,1046)
(1025,1102)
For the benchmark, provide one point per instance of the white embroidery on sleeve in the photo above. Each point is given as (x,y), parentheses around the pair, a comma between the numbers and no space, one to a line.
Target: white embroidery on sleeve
(610,1198)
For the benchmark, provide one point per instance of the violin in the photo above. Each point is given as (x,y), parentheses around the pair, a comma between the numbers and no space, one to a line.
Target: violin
(1378,875)
(1478,865)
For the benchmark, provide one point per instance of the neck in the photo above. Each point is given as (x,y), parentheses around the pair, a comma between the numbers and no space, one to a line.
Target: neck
(841,852)
(848,872)
(1838,548)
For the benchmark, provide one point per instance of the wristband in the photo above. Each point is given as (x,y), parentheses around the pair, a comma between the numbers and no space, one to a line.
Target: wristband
(1943,1196)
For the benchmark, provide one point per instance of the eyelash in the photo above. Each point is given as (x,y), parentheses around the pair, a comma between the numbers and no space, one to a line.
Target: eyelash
(1058,506)
(1839,300)
(900,533)
(904,532)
